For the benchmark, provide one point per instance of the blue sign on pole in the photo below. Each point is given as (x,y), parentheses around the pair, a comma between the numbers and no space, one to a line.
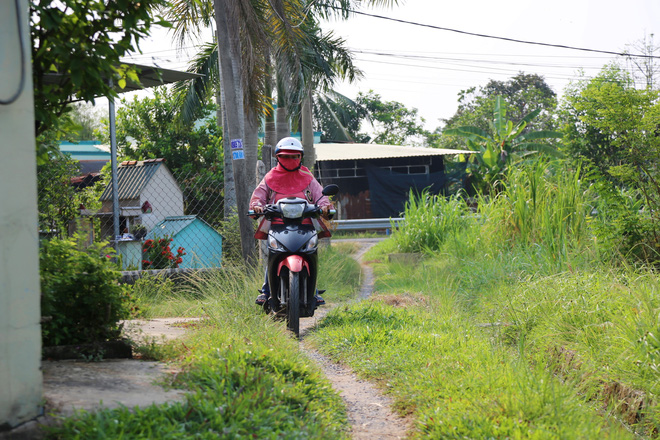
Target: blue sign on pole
(236,144)
(238,154)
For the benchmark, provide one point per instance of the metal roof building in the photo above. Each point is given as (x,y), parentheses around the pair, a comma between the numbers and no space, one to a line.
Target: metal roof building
(132,177)
(375,180)
(328,152)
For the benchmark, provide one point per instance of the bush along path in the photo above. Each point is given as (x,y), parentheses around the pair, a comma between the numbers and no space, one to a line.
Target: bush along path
(369,412)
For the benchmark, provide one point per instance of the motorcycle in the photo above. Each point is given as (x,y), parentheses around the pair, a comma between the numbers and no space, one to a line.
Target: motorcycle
(292,257)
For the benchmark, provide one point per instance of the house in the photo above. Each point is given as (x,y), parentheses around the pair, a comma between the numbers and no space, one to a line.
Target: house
(202,243)
(147,193)
(91,156)
(375,180)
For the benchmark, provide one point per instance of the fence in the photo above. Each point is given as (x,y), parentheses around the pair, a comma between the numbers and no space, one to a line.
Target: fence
(166,219)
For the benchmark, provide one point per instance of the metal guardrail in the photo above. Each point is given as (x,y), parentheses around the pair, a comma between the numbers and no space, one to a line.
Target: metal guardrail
(367,223)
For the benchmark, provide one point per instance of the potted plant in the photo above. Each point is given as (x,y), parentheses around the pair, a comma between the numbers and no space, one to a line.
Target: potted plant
(139,231)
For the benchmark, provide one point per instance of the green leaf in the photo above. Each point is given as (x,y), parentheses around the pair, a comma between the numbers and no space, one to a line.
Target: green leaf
(499,115)
(490,157)
(541,134)
(122,83)
(468,132)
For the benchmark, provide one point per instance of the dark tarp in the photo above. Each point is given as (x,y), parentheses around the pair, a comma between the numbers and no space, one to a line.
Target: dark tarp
(389,191)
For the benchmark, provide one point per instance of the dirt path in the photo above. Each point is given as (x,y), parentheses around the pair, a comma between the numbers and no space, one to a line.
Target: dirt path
(369,412)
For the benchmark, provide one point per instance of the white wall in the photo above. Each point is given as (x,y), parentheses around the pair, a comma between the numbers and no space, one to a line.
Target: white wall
(164,195)
(20,332)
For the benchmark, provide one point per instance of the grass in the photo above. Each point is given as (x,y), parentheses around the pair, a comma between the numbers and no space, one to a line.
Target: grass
(510,327)
(243,372)
(448,355)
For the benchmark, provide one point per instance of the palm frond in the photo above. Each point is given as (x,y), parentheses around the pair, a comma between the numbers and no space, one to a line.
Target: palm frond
(194,94)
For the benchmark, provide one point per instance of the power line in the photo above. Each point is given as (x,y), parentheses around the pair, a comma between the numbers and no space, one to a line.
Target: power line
(513,40)
(475,60)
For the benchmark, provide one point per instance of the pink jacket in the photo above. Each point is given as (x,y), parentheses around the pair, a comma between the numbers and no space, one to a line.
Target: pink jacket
(264,195)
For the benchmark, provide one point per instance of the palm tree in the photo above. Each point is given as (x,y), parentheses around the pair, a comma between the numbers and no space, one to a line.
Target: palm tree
(250,33)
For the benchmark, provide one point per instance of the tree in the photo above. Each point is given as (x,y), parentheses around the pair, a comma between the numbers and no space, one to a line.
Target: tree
(77,48)
(58,201)
(603,119)
(393,122)
(87,122)
(249,35)
(151,128)
(613,127)
(521,94)
(505,143)
(339,118)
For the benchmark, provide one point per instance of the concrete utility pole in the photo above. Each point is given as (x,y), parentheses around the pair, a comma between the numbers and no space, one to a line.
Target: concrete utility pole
(20,332)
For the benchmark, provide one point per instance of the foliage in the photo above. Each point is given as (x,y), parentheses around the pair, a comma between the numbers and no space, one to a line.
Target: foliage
(82,43)
(157,254)
(394,124)
(58,200)
(234,391)
(504,144)
(606,120)
(521,94)
(430,221)
(623,226)
(612,126)
(457,379)
(542,205)
(231,240)
(152,127)
(489,336)
(81,294)
(339,118)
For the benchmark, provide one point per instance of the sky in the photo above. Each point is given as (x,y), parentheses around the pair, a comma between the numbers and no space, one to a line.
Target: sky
(424,67)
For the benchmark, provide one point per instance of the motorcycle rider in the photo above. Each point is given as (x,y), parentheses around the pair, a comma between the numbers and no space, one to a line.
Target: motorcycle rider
(288,179)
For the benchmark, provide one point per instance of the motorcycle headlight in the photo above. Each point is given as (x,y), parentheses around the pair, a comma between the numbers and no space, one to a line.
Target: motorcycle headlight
(273,243)
(292,210)
(311,244)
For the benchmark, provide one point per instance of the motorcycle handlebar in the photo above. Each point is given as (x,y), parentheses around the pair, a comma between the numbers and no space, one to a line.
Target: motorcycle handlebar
(253,214)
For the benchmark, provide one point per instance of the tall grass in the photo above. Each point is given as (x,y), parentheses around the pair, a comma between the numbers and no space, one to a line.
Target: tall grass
(431,221)
(543,209)
(541,206)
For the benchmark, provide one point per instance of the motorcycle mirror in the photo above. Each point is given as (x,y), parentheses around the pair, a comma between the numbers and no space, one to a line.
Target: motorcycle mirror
(330,190)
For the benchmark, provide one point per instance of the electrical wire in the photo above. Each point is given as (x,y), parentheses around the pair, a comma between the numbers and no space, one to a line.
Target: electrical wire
(512,40)
(21,83)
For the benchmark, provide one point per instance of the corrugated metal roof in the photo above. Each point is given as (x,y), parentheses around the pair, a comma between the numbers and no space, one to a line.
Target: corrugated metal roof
(132,177)
(85,151)
(376,151)
(171,226)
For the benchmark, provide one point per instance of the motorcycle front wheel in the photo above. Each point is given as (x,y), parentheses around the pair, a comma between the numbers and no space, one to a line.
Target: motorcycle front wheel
(293,304)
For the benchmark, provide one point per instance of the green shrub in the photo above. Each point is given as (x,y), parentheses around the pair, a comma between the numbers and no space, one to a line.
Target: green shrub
(431,221)
(80,293)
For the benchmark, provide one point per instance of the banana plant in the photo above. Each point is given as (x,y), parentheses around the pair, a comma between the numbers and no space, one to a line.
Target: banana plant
(505,145)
